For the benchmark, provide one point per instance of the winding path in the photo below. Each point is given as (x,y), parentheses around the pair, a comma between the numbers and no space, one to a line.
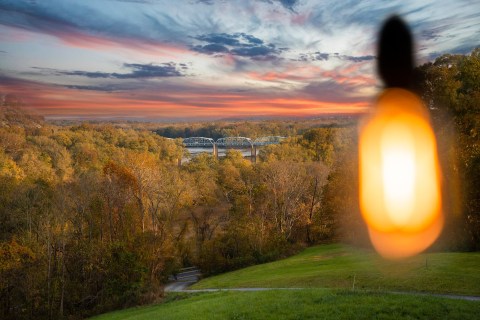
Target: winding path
(189,276)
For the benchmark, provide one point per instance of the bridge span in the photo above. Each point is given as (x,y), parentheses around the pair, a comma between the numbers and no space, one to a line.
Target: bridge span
(198,142)
(232,143)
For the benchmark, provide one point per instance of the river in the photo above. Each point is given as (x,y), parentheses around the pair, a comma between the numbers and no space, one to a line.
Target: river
(221,152)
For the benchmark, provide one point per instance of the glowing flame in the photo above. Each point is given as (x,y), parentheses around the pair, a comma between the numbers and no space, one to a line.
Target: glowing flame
(400,193)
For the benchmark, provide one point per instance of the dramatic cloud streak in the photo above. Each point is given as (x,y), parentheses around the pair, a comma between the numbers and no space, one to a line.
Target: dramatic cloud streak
(237,44)
(139,71)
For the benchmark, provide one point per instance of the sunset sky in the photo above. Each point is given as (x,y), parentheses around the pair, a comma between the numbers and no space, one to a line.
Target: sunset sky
(211,59)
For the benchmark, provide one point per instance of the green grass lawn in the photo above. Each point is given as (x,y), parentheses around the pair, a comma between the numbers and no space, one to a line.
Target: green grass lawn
(329,272)
(337,266)
(300,304)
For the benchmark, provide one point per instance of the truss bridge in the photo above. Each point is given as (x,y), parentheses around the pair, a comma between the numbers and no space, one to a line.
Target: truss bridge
(198,142)
(232,143)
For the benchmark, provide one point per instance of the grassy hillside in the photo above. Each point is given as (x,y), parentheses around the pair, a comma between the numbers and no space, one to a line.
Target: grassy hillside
(337,266)
(300,304)
(328,275)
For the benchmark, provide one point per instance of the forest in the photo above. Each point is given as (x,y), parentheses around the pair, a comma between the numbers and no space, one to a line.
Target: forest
(95,217)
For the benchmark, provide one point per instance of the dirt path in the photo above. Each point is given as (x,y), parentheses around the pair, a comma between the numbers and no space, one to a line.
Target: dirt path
(181,288)
(184,279)
(188,276)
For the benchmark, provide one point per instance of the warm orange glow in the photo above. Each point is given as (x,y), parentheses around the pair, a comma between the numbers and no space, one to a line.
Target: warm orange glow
(400,195)
(59,102)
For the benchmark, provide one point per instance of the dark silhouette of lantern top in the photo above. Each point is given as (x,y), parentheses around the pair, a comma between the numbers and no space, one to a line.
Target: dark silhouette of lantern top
(395,54)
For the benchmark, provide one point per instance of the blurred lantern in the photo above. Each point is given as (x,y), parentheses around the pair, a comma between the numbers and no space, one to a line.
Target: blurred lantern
(400,192)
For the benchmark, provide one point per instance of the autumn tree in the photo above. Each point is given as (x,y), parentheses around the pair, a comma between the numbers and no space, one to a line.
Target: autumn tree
(450,87)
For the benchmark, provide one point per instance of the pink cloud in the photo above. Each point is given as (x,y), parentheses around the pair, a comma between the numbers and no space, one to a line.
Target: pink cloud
(292,72)
(300,19)
(60,102)
(15,35)
(72,37)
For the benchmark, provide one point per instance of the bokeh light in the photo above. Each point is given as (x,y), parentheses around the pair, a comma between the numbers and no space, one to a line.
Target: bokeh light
(400,178)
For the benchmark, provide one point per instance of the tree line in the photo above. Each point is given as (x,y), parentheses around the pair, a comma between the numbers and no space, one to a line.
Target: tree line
(450,87)
(252,129)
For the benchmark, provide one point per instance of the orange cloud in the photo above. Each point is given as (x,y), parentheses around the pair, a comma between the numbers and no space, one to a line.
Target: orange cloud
(56,101)
(349,75)
(292,72)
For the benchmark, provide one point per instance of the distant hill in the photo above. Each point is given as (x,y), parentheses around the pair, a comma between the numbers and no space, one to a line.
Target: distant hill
(326,116)
(14,113)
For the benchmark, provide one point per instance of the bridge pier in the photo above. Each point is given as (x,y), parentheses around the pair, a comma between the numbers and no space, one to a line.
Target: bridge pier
(253,153)
(215,151)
